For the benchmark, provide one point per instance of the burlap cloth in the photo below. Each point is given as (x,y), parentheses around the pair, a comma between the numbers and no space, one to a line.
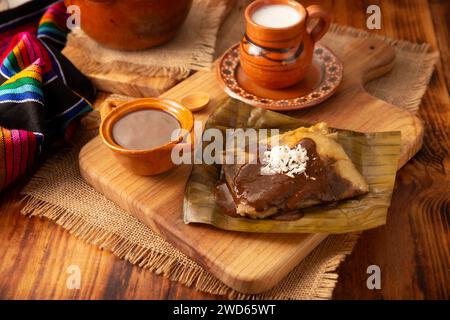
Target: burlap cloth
(57,192)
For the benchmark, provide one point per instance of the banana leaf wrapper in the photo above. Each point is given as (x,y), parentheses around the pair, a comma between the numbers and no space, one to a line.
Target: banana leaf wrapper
(374,154)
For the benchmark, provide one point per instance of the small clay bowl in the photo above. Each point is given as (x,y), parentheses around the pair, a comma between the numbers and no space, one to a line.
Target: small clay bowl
(151,161)
(196,101)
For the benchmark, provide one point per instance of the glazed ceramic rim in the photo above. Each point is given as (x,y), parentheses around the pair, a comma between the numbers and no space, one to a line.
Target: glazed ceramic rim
(165,105)
(260,3)
(230,60)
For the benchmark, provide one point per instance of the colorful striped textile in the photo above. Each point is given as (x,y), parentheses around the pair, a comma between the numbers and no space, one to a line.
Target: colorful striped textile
(41,92)
(52,25)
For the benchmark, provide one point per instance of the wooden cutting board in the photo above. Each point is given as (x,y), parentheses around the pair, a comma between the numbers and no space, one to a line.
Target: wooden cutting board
(250,263)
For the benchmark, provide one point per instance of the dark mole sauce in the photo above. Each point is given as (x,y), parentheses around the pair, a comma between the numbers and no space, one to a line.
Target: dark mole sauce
(225,200)
(321,184)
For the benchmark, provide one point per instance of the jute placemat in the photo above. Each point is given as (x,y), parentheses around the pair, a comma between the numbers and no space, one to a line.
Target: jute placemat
(57,192)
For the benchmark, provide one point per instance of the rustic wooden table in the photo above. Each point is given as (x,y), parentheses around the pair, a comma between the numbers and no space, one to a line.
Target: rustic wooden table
(412,250)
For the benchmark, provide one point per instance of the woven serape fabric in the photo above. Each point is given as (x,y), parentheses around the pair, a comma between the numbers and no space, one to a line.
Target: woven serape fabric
(41,92)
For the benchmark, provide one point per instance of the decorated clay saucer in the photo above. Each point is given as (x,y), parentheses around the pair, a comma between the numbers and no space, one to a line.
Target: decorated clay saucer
(322,80)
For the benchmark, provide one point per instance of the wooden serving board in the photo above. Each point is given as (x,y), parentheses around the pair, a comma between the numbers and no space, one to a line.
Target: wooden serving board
(248,262)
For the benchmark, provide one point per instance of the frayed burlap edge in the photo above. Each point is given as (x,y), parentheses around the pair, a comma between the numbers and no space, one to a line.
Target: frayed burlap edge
(90,66)
(412,102)
(204,50)
(163,264)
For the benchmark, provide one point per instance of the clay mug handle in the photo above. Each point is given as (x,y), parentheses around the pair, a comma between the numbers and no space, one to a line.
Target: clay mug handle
(319,30)
(108,106)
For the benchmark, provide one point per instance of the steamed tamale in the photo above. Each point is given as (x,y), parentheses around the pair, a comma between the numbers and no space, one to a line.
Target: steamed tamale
(307,168)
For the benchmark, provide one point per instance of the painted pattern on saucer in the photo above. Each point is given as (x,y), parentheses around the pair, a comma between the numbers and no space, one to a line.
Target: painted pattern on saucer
(320,83)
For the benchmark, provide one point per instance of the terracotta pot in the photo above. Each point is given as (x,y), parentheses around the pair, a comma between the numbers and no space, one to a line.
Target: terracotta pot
(151,161)
(276,58)
(132,24)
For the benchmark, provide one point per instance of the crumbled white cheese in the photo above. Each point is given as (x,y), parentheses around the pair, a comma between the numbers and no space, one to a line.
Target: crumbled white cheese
(284,160)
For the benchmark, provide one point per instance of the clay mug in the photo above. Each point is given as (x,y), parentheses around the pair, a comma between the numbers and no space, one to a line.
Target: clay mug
(151,161)
(275,57)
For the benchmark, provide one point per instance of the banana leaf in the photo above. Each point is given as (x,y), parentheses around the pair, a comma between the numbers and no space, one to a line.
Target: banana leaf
(374,154)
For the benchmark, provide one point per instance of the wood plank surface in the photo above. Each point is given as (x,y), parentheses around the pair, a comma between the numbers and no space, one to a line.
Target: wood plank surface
(412,250)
